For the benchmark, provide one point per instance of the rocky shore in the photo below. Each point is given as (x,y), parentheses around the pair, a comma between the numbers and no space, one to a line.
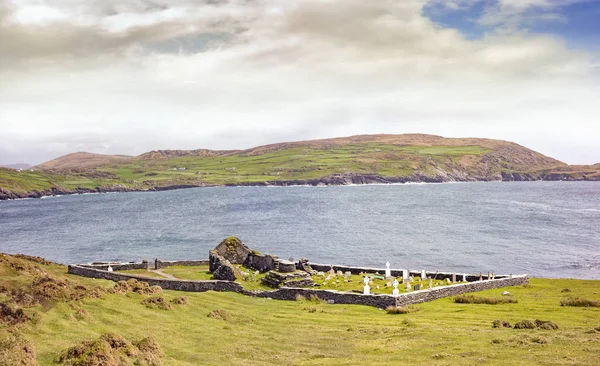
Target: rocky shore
(332,180)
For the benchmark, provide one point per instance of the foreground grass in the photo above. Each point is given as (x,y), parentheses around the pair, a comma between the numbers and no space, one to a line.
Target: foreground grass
(262,331)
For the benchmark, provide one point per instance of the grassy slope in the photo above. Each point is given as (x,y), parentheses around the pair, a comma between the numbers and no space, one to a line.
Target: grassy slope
(263,331)
(385,155)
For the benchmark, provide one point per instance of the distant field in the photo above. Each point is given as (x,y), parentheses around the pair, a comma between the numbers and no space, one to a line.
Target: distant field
(415,157)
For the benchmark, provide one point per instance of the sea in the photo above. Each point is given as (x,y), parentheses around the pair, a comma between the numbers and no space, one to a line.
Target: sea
(544,229)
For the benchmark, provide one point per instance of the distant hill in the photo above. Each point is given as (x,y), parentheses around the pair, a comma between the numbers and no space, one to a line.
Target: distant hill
(84,160)
(347,160)
(16,166)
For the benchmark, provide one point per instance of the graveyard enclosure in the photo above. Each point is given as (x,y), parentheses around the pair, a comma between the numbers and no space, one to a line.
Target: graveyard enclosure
(473,283)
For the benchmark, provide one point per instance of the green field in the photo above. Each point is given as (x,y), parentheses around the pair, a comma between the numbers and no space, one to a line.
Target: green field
(263,332)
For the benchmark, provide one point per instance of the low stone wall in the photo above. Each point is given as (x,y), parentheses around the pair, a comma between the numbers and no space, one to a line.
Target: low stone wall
(397,272)
(166,284)
(118,266)
(454,290)
(158,264)
(288,293)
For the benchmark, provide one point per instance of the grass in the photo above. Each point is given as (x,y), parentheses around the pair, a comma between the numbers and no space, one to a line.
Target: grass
(262,332)
(294,162)
(472,299)
(580,302)
(378,286)
(141,272)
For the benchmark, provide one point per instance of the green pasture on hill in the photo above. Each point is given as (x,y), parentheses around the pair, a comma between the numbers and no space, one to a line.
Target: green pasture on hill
(296,163)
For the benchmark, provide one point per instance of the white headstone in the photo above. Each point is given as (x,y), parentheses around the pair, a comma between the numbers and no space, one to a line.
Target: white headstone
(454,277)
(395,292)
(347,274)
(423,275)
(405,274)
(464,278)
(430,283)
(388,271)
(110,269)
(408,286)
(366,289)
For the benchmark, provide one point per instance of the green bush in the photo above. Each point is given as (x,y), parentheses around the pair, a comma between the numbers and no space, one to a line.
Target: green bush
(470,299)
(580,302)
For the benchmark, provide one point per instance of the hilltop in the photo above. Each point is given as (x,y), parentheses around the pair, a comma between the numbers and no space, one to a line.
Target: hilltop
(359,159)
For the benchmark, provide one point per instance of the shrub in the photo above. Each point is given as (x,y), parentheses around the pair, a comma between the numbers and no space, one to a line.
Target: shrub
(565,290)
(15,350)
(157,302)
(181,300)
(112,349)
(219,314)
(501,324)
(546,324)
(470,299)
(11,314)
(316,299)
(580,302)
(402,309)
(525,324)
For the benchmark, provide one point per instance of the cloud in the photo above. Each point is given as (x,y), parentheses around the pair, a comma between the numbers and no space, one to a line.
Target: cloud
(128,77)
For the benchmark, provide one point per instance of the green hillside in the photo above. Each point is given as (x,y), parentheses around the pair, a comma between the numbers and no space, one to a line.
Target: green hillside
(356,159)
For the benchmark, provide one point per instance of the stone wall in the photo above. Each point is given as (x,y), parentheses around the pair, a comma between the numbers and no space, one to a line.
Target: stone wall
(118,266)
(288,293)
(167,284)
(158,264)
(397,272)
(454,290)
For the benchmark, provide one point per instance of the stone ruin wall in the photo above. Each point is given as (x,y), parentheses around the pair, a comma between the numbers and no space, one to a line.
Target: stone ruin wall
(286,293)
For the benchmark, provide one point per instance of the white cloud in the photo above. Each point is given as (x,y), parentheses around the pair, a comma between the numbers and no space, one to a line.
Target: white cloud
(245,73)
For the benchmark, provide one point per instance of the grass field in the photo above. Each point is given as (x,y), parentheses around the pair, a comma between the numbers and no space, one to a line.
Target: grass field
(262,331)
(293,162)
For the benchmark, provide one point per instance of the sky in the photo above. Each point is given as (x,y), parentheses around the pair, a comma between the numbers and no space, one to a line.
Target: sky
(130,76)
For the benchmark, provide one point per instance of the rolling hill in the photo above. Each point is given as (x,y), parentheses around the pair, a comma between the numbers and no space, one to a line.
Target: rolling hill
(348,160)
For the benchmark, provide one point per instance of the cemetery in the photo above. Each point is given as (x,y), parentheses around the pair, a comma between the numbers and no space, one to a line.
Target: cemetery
(232,266)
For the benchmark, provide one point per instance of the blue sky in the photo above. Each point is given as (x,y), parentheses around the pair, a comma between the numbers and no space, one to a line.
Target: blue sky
(130,76)
(577,22)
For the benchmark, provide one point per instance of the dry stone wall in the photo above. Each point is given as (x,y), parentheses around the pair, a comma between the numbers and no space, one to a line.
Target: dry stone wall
(395,272)
(454,290)
(158,264)
(289,293)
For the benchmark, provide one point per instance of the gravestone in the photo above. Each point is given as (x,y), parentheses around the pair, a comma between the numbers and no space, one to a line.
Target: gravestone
(395,291)
(480,276)
(388,271)
(430,283)
(453,277)
(405,275)
(489,276)
(366,288)
(408,286)
(417,287)
(423,275)
(347,274)
(464,278)
(339,273)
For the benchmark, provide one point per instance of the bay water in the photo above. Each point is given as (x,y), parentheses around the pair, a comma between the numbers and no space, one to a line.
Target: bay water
(545,229)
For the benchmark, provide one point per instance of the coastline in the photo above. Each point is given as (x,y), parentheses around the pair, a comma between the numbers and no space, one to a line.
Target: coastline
(334,180)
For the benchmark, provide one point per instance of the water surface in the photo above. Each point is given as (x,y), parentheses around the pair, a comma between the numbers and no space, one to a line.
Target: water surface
(547,229)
